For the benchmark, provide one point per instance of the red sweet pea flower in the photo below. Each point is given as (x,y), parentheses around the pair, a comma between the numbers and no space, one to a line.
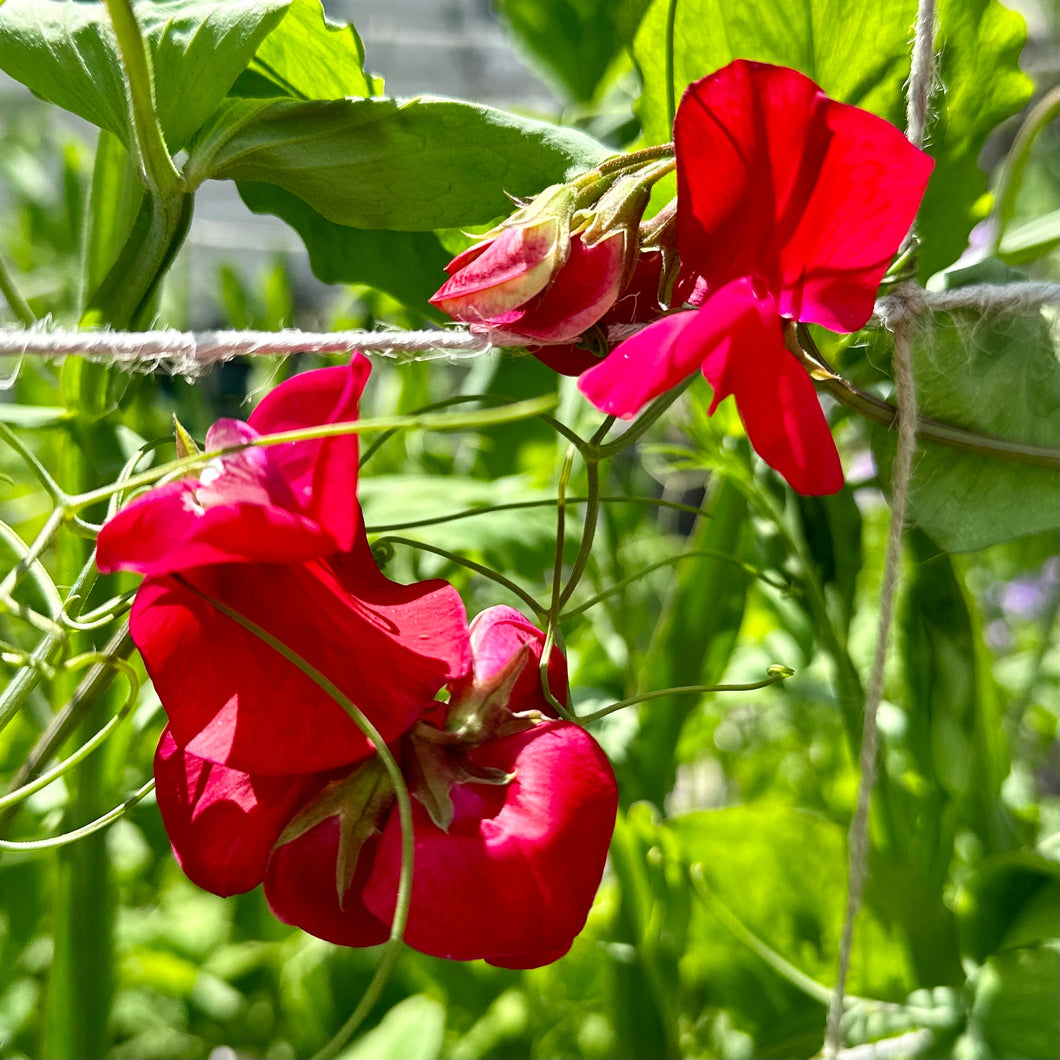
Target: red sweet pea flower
(512,817)
(230,699)
(233,700)
(790,207)
(269,504)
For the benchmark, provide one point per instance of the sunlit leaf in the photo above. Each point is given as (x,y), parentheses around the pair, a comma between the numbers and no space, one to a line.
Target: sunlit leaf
(67,53)
(409,266)
(382,163)
(308,57)
(996,374)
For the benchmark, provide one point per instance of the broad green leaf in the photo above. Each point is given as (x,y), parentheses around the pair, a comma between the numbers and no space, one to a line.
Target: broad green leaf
(824,39)
(407,165)
(573,41)
(67,54)
(996,374)
(411,1030)
(858,53)
(953,726)
(409,266)
(309,57)
(780,873)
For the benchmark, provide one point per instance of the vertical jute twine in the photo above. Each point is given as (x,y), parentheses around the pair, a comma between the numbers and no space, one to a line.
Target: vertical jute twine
(905,307)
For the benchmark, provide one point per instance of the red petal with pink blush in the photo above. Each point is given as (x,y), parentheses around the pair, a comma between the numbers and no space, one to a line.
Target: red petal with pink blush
(774,394)
(322,472)
(233,699)
(222,823)
(167,530)
(579,295)
(507,272)
(513,879)
(496,635)
(301,890)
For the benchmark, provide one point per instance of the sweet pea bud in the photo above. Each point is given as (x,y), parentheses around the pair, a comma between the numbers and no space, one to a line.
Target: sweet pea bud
(618,211)
(513,263)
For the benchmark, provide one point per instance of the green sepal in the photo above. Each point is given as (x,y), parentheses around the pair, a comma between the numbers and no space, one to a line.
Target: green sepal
(361,802)
(186,446)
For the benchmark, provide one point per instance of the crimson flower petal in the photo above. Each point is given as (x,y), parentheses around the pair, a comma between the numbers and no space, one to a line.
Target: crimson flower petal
(233,699)
(274,504)
(645,365)
(167,530)
(869,187)
(777,181)
(774,394)
(321,472)
(300,889)
(222,823)
(513,879)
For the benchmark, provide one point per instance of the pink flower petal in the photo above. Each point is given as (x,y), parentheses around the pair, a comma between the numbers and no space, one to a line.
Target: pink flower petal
(507,272)
(496,635)
(579,295)
(167,530)
(222,823)
(645,366)
(514,878)
(274,504)
(233,699)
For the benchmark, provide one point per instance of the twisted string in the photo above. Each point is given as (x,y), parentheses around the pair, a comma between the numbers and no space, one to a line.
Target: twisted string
(193,353)
(900,312)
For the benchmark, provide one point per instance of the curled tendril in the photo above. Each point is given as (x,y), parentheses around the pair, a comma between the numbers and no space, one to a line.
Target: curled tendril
(383,552)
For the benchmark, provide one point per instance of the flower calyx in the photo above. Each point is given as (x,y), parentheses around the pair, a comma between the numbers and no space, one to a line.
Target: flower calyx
(439,759)
(361,801)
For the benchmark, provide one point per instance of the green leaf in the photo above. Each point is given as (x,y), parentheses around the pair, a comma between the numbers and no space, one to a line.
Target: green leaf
(859,53)
(67,53)
(409,266)
(406,165)
(824,39)
(573,41)
(832,528)
(996,374)
(978,44)
(412,1030)
(1015,1009)
(308,57)
(780,873)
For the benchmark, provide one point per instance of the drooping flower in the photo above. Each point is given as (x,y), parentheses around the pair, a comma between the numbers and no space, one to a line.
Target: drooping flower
(512,816)
(790,208)
(276,535)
